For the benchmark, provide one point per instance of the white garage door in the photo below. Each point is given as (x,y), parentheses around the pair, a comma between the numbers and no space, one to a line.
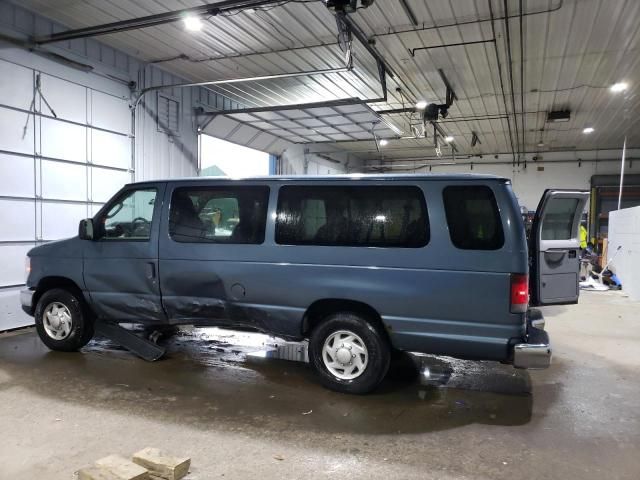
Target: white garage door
(55,171)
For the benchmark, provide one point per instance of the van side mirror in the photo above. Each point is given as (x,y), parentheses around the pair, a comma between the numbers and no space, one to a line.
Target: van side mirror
(85,229)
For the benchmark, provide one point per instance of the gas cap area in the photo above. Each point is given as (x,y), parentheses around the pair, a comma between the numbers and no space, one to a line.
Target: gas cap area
(238,291)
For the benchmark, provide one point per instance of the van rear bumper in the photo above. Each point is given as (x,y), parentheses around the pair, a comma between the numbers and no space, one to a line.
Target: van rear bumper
(535,352)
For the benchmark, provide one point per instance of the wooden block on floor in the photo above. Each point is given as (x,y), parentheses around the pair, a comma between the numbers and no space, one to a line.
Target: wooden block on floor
(123,468)
(162,465)
(97,473)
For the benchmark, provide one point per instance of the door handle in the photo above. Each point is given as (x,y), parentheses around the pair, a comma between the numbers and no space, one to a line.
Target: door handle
(151,271)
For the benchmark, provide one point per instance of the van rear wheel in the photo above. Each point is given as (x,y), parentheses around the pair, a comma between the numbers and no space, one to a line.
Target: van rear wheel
(62,321)
(348,353)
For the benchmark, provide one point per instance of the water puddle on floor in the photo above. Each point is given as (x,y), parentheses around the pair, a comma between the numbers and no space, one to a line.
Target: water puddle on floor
(213,375)
(242,349)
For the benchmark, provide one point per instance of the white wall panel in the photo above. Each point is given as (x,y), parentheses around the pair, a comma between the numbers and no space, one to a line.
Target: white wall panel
(529,184)
(16,85)
(292,162)
(110,149)
(624,232)
(89,100)
(69,100)
(17,218)
(104,183)
(13,135)
(13,263)
(110,112)
(61,220)
(64,181)
(94,208)
(16,176)
(63,140)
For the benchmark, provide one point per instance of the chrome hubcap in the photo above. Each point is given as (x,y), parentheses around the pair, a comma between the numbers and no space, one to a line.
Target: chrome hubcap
(57,321)
(345,355)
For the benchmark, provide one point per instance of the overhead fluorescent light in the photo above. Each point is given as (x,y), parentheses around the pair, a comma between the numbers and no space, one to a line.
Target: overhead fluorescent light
(541,145)
(588,130)
(193,24)
(383,142)
(448,139)
(619,87)
(559,116)
(421,105)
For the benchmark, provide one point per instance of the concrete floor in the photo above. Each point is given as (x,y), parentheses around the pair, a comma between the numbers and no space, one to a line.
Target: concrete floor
(243,417)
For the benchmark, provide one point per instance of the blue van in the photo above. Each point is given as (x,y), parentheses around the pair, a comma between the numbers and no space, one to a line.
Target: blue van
(361,266)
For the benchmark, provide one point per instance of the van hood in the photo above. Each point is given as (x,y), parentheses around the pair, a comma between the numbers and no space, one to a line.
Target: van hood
(68,248)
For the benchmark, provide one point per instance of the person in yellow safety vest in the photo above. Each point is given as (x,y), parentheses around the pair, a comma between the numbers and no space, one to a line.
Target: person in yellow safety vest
(583,236)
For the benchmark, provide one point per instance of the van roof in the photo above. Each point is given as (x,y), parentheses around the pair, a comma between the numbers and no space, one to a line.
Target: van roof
(350,177)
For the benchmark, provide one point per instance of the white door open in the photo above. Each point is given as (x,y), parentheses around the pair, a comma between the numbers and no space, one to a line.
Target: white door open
(554,247)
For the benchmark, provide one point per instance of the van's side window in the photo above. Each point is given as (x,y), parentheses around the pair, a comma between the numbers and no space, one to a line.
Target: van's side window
(352,216)
(130,216)
(473,217)
(219,214)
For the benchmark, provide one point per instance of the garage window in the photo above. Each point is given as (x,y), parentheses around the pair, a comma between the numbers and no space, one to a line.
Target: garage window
(473,217)
(353,216)
(236,215)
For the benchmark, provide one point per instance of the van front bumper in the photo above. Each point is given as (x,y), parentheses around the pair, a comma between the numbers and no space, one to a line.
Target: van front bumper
(26,299)
(535,352)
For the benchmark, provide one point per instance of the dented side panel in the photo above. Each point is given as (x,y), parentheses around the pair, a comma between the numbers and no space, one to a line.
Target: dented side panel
(121,276)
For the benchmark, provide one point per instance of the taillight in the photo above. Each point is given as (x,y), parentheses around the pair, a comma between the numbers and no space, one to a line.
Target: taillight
(519,293)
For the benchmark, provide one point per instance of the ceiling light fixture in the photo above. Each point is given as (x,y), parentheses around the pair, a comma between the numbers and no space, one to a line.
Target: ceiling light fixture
(421,105)
(448,139)
(588,130)
(193,24)
(384,142)
(619,87)
(541,145)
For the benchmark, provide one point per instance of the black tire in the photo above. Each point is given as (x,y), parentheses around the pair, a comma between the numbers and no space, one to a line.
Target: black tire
(81,331)
(377,346)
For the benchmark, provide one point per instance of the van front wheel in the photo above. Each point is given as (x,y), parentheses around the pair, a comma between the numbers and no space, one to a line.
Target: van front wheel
(349,354)
(62,321)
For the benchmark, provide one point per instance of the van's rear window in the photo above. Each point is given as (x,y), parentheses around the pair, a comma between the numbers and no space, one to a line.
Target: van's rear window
(473,217)
(352,216)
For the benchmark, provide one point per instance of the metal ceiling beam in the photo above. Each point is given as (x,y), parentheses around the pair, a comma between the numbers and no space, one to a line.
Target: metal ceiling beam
(407,9)
(280,108)
(151,20)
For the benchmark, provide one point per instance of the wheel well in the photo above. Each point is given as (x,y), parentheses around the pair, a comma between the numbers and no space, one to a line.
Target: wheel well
(320,309)
(48,283)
